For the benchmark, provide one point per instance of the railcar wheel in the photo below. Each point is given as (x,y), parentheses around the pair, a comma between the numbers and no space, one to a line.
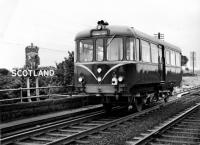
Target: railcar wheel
(107,107)
(166,99)
(139,104)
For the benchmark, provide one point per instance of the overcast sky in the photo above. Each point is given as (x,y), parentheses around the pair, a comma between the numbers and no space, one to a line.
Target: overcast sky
(53,24)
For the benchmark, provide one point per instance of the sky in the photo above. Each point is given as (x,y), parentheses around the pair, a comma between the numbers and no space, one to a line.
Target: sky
(53,24)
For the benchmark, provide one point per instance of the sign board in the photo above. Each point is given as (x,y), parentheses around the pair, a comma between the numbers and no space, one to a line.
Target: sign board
(32,58)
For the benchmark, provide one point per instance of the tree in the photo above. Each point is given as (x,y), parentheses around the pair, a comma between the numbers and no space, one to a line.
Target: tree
(65,70)
(7,81)
(184,60)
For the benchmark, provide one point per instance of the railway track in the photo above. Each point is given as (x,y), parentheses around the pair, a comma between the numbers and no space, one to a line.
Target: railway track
(42,121)
(79,130)
(182,129)
(11,130)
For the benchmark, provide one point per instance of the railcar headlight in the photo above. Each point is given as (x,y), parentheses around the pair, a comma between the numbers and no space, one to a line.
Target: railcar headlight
(80,79)
(120,78)
(114,81)
(99,70)
(99,79)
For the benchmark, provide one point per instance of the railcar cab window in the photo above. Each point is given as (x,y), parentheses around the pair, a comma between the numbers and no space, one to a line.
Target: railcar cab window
(130,53)
(145,51)
(86,50)
(99,50)
(114,49)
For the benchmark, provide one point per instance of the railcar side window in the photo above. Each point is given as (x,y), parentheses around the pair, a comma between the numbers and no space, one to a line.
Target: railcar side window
(145,51)
(86,50)
(129,49)
(160,54)
(173,58)
(154,53)
(178,59)
(99,49)
(137,50)
(114,49)
(167,56)
(76,54)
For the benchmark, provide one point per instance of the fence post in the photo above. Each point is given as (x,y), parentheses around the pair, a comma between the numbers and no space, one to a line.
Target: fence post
(28,89)
(21,95)
(37,89)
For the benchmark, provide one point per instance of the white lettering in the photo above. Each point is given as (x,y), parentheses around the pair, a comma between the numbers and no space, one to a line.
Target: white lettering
(35,74)
(18,73)
(30,72)
(14,73)
(46,72)
(40,73)
(25,73)
(51,73)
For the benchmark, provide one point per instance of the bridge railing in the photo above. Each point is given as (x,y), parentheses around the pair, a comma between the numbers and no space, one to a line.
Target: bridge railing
(22,98)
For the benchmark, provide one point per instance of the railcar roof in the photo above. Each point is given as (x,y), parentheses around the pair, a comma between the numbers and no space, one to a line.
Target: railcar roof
(128,31)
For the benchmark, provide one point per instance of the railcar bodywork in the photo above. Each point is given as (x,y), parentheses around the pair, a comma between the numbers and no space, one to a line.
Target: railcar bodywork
(124,65)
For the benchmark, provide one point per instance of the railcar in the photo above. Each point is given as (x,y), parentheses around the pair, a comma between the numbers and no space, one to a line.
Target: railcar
(125,66)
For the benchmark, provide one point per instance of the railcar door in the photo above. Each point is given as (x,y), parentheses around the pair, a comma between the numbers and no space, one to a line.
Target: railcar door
(161,63)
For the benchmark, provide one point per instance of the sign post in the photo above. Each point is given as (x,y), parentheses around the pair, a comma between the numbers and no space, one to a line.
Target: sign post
(32,62)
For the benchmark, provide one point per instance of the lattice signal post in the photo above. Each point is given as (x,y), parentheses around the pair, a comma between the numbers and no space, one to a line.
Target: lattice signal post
(159,36)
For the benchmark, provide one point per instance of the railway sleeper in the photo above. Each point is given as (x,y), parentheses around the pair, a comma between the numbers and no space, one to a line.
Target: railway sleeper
(42,139)
(190,126)
(57,134)
(81,127)
(68,131)
(92,124)
(182,133)
(25,143)
(179,137)
(94,136)
(185,129)
(169,141)
(82,141)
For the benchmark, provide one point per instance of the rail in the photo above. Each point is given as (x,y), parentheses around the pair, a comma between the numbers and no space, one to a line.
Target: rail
(22,98)
(147,138)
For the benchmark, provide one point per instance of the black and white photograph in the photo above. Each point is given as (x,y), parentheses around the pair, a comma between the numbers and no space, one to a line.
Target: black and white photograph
(99,72)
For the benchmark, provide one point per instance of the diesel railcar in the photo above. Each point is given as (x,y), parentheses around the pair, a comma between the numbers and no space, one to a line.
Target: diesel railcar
(125,66)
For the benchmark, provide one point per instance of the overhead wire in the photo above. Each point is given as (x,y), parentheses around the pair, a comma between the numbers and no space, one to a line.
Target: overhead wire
(41,47)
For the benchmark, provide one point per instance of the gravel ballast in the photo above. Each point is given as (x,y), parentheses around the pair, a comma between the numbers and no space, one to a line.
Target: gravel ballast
(134,128)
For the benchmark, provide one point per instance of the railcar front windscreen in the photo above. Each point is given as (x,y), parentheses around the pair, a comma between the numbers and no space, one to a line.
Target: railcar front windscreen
(86,50)
(99,50)
(114,49)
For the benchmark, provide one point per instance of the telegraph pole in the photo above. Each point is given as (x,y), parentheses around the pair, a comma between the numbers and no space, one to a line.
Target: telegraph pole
(193,60)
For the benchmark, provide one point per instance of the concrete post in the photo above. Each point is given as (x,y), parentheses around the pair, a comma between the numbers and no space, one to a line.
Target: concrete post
(28,90)
(37,90)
